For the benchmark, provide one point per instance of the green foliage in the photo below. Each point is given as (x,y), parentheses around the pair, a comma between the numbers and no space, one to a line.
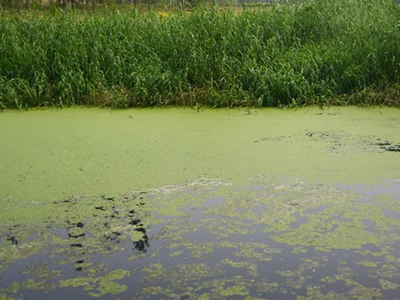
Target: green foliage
(292,54)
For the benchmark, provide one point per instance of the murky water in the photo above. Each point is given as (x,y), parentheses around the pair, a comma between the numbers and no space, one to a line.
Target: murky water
(208,239)
(334,234)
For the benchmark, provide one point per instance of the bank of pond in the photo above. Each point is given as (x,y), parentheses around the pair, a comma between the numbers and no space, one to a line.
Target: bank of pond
(303,53)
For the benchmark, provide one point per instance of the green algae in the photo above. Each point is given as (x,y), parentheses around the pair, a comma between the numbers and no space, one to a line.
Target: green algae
(344,236)
(324,232)
(356,293)
(36,285)
(107,152)
(316,220)
(387,285)
(11,254)
(296,278)
(250,251)
(99,286)
(256,251)
(43,272)
(367,263)
(234,291)
(5,297)
(339,225)
(267,287)
(176,253)
(251,268)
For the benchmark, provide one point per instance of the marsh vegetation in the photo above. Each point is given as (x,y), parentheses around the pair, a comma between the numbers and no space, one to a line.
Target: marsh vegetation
(201,203)
(314,52)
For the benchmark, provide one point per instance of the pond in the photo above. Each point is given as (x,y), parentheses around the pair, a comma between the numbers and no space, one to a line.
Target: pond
(217,204)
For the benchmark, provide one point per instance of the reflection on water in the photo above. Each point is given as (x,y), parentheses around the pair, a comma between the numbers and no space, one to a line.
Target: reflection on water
(209,240)
(11,238)
(143,244)
(75,232)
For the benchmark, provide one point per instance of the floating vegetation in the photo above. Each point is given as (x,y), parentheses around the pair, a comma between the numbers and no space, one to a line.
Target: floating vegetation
(99,285)
(342,141)
(388,146)
(267,239)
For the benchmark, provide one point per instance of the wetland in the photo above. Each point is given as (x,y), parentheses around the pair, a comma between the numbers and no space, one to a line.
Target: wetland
(218,204)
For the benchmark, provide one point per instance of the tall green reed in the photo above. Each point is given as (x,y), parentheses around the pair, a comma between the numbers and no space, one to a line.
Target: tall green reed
(304,53)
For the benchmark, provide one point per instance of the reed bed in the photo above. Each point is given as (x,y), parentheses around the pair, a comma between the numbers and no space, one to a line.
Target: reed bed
(310,53)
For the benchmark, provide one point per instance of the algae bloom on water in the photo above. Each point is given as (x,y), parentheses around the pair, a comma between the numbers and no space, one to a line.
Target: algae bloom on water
(306,204)
(207,239)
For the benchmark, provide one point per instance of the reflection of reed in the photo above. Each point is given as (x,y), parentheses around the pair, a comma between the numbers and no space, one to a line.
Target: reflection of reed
(114,225)
(10,237)
(142,244)
(74,237)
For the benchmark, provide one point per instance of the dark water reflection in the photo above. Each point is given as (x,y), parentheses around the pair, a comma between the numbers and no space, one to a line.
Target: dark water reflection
(267,240)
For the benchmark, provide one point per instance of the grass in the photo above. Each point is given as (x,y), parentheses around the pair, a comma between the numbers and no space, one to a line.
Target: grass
(313,53)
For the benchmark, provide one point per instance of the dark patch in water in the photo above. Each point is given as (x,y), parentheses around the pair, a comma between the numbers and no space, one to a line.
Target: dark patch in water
(142,244)
(11,238)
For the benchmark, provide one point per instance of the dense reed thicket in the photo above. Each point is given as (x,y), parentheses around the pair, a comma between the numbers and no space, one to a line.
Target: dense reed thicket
(306,53)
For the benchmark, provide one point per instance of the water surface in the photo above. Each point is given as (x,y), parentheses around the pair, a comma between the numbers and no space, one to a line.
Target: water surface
(175,204)
(53,154)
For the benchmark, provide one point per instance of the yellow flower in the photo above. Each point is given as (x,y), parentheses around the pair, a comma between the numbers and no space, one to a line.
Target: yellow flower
(163,14)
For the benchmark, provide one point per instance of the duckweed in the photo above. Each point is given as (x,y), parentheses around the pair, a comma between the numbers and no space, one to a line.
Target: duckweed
(99,286)
(234,291)
(217,242)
